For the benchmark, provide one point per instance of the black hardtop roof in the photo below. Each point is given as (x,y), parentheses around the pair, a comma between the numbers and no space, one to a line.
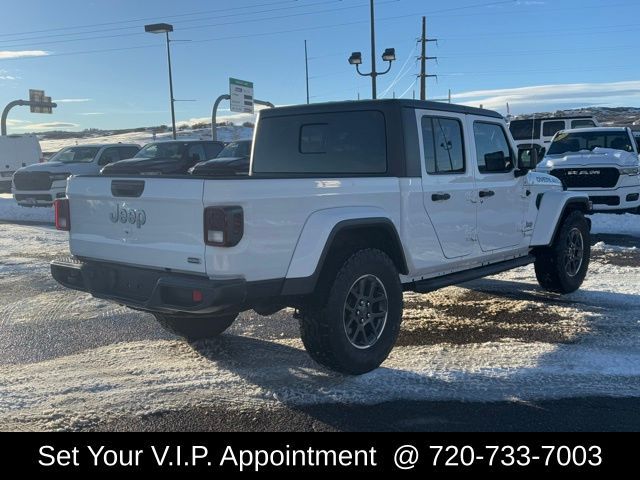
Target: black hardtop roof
(566,117)
(382,104)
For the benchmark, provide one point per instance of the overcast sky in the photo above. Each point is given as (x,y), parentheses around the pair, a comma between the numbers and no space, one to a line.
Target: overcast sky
(95,60)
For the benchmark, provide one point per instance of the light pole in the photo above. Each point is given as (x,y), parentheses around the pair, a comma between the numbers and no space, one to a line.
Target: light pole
(389,55)
(166,28)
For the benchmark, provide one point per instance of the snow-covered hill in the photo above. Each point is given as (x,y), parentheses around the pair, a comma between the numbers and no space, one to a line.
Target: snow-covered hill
(225,133)
(607,116)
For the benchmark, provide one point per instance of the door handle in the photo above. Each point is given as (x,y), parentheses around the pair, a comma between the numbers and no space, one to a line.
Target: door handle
(439,197)
(486,193)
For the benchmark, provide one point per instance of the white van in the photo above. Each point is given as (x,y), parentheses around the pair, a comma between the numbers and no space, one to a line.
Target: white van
(16,151)
(39,185)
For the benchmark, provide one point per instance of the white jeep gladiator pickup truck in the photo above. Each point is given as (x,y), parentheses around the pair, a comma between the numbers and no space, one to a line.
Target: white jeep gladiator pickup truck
(347,205)
(602,163)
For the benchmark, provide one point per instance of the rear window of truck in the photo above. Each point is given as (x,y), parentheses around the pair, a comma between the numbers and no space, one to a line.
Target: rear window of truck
(344,143)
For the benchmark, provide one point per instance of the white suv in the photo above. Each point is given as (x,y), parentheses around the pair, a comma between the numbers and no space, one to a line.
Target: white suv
(39,185)
(538,132)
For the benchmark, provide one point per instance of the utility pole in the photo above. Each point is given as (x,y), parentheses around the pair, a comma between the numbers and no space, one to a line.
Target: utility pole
(374,81)
(306,68)
(423,60)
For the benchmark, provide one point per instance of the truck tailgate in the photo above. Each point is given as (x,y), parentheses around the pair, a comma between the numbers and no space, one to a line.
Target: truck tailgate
(148,222)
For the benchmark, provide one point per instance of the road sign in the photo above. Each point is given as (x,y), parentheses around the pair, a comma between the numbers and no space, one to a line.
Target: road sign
(38,96)
(241,93)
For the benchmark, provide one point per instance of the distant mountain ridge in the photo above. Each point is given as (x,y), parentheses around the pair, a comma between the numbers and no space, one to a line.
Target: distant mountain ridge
(606,116)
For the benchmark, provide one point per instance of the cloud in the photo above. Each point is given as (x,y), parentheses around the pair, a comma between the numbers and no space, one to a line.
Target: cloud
(7,77)
(537,97)
(92,113)
(32,127)
(14,122)
(72,100)
(7,54)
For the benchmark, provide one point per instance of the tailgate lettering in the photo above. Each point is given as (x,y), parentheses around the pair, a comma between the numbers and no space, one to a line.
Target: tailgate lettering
(133,216)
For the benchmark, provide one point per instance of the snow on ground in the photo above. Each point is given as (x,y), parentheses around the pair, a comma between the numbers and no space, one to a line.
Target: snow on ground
(69,361)
(225,134)
(625,224)
(11,211)
(603,247)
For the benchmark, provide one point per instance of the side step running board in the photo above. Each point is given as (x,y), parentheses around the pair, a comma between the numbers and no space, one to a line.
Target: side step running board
(431,284)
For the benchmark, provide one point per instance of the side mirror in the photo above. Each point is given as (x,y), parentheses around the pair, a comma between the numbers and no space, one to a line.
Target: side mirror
(528,158)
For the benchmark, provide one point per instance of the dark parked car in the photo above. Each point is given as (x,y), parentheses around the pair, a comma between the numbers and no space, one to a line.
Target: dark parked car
(232,160)
(167,157)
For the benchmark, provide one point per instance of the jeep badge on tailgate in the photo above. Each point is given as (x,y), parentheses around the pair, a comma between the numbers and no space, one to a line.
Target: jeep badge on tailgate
(128,215)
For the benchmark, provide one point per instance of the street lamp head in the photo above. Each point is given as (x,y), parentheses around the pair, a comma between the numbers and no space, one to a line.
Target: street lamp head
(356,58)
(158,28)
(389,55)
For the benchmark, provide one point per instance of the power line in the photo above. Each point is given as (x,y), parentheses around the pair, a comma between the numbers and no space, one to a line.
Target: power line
(13,43)
(137,27)
(146,18)
(541,52)
(195,27)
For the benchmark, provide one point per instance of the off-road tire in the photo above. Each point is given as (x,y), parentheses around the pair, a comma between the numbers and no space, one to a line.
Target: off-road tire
(551,268)
(195,327)
(322,324)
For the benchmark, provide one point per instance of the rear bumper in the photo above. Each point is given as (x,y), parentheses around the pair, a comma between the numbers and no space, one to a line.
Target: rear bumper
(150,290)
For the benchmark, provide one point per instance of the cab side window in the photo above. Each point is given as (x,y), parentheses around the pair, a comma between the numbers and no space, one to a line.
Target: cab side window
(212,149)
(196,153)
(443,145)
(493,151)
(582,124)
(128,152)
(109,155)
(549,129)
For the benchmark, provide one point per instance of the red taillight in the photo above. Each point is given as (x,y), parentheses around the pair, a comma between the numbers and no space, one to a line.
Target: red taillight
(223,226)
(63,218)
(197,296)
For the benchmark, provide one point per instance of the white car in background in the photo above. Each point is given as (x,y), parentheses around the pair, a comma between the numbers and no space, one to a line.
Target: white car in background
(39,185)
(17,151)
(601,162)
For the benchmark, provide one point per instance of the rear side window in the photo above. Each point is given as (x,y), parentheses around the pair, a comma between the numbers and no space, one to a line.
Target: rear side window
(324,143)
(443,146)
(128,152)
(492,148)
(109,155)
(582,124)
(196,153)
(212,149)
(549,129)
(522,129)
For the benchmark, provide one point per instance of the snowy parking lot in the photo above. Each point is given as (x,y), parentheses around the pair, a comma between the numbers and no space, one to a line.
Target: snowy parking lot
(68,361)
